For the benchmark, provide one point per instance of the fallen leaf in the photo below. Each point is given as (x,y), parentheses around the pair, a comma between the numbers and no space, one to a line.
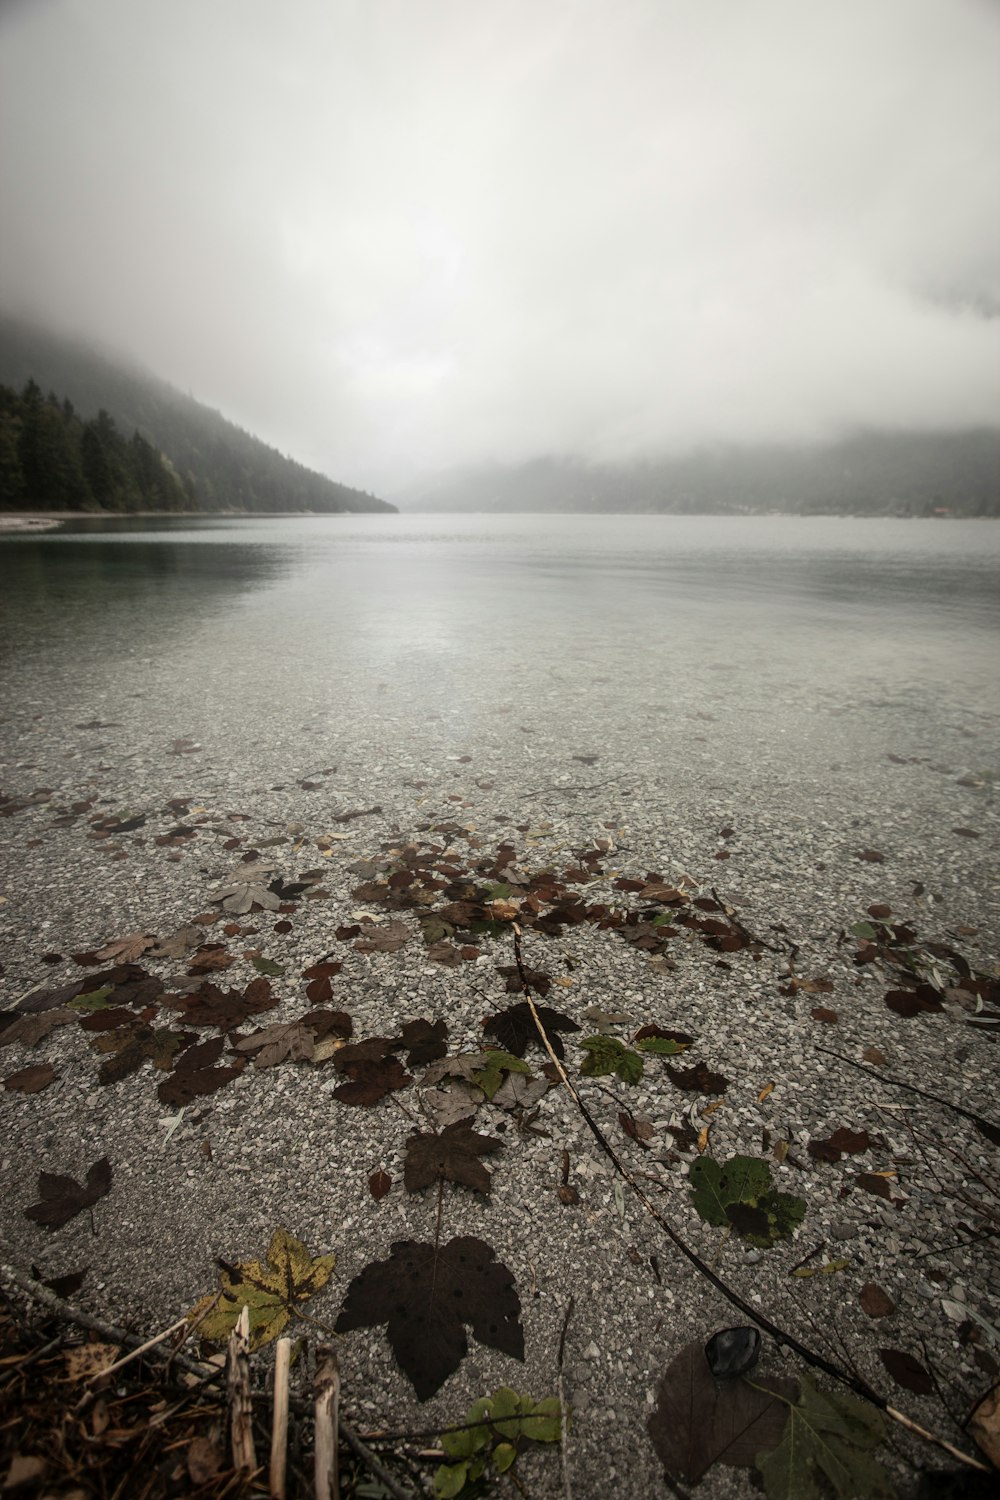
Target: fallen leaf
(372,1070)
(31,1080)
(62,1198)
(984,1425)
(830,1434)
(29,1030)
(425,1041)
(85,1361)
(907,1371)
(699,1421)
(871,856)
(824,1014)
(515,1029)
(194,1073)
(874,1055)
(425,1294)
(271,1292)
(700,1078)
(738,1194)
(127,949)
(452,1156)
(379,1184)
(875,1303)
(606,1055)
(388,937)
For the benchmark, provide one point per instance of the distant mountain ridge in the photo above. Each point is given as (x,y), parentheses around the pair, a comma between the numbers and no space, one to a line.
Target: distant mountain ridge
(220,466)
(867,473)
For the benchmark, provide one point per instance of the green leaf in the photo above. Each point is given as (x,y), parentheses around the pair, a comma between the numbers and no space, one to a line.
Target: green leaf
(864,930)
(498,1063)
(449,1480)
(664,1046)
(268,966)
(434,929)
(93,1000)
(546,1421)
(827,1436)
(504,1455)
(605,1054)
(738,1195)
(501,891)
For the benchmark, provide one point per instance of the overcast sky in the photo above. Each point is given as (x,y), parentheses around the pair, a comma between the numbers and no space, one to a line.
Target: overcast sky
(398,236)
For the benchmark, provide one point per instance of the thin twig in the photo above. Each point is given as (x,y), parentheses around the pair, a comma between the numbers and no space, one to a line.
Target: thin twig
(969,1114)
(780,1335)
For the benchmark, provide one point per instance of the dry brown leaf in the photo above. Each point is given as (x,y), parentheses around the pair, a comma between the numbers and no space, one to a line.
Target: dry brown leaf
(87,1360)
(127,949)
(31,1080)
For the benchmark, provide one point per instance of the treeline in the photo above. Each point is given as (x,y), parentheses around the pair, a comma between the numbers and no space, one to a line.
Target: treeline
(53,459)
(866,473)
(219,466)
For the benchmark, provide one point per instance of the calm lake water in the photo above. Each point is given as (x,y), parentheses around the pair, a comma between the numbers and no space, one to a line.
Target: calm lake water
(758,622)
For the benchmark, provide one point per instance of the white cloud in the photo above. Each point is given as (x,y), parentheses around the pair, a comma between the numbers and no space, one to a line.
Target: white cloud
(391,235)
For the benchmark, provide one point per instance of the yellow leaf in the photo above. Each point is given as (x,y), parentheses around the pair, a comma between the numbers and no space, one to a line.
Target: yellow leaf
(270,1292)
(703,1138)
(563,981)
(825,1270)
(711,1108)
(765,1091)
(779,1150)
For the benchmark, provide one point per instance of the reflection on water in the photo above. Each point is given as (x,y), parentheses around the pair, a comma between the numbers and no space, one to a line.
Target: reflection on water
(449,614)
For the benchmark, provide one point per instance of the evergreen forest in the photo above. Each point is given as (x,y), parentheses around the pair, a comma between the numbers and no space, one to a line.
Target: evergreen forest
(111,436)
(52,459)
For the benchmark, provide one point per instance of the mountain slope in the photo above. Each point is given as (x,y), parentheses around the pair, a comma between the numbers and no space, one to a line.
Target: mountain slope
(873,473)
(221,466)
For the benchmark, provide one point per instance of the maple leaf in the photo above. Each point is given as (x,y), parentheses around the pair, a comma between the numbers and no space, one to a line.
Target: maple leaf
(127,949)
(452,1156)
(295,1040)
(388,937)
(700,1078)
(272,1292)
(177,944)
(226,1009)
(424,1042)
(139,1044)
(514,1028)
(195,1074)
(248,887)
(426,1294)
(828,1434)
(372,1069)
(62,1198)
(699,1421)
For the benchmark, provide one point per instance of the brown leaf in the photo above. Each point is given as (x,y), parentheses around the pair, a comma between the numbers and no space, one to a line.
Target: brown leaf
(875,1302)
(127,949)
(388,937)
(319,990)
(194,1073)
(699,1421)
(452,1156)
(29,1030)
(874,1055)
(984,1425)
(871,856)
(822,1013)
(379,1184)
(62,1198)
(204,1460)
(909,1003)
(699,1078)
(372,1070)
(907,1371)
(31,1080)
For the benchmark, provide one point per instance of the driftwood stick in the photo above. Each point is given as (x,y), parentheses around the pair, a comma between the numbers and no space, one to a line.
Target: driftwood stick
(238,1391)
(279,1421)
(327,1390)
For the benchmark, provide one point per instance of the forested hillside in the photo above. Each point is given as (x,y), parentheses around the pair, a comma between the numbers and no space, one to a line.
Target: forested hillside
(868,473)
(216,464)
(51,459)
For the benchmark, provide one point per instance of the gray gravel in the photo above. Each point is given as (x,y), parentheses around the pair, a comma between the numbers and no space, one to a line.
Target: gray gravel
(803,782)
